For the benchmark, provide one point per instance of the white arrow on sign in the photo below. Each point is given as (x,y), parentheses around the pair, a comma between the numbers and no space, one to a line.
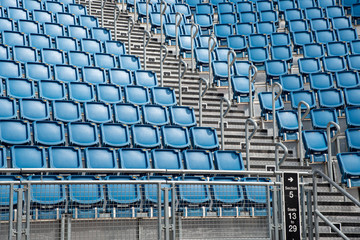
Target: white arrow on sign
(291,179)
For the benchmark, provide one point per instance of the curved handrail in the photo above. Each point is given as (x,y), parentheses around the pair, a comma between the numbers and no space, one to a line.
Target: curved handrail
(193,35)
(211,47)
(103,3)
(331,140)
(131,24)
(181,75)
(163,7)
(248,139)
(162,60)
(177,24)
(222,116)
(116,18)
(230,64)
(90,7)
(201,95)
(147,14)
(252,79)
(300,119)
(274,99)
(277,162)
(146,41)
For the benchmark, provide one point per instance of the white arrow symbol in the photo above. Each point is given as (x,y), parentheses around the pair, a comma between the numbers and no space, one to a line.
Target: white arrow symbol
(291,179)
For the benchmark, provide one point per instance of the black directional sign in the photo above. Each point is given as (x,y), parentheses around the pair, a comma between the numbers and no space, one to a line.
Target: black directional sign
(292,206)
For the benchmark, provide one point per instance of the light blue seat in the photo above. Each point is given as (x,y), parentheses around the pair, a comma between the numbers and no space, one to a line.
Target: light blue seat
(313,12)
(286,4)
(337,48)
(355,47)
(114,135)
(137,95)
(145,78)
(353,62)
(166,159)
(65,157)
(105,60)
(309,65)
(88,21)
(66,43)
(81,91)
(77,9)
(293,14)
(83,134)
(204,138)
(306,96)
(54,29)
(38,71)
(145,136)
(79,59)
(34,109)
(352,139)
(28,26)
(33,5)
(265,99)
(317,24)
(129,62)
(4,52)
(228,160)
(94,75)
(347,34)
(321,80)
(265,27)
(245,6)
(163,96)
(258,55)
(66,73)
(352,115)
(97,112)
(25,54)
(220,71)
(222,31)
(17,13)
(66,111)
(78,32)
(269,16)
(244,29)
(51,90)
(349,168)
(240,86)
(100,158)
(315,144)
(248,17)
(256,197)
(6,24)
(52,56)
(49,133)
(127,113)
(322,116)
(109,93)
(313,50)
(335,11)
(242,68)
(121,77)
(175,137)
(331,98)
(299,25)
(101,34)
(224,18)
(204,8)
(182,116)
(237,42)
(10,69)
(352,96)
(302,38)
(42,16)
(291,82)
(65,19)
(28,157)
(91,45)
(20,88)
(54,7)
(39,41)
(155,115)
(8,108)
(134,158)
(334,64)
(275,68)
(287,122)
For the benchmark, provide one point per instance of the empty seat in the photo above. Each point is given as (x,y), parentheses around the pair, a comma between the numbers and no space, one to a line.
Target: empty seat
(353,62)
(37,71)
(224,18)
(352,117)
(299,25)
(91,45)
(283,53)
(137,95)
(4,52)
(204,138)
(347,34)
(97,112)
(293,14)
(66,73)
(155,115)
(237,42)
(352,139)
(322,116)
(53,29)
(280,39)
(77,9)
(115,47)
(109,93)
(198,160)
(43,16)
(101,34)
(94,75)
(269,16)
(163,96)
(314,50)
(321,80)
(105,60)
(258,40)
(256,196)
(83,134)
(100,158)
(326,3)
(355,46)
(204,8)
(28,26)
(325,36)
(349,168)
(25,54)
(265,99)
(66,43)
(347,79)
(248,17)
(129,62)
(275,68)
(222,31)
(317,24)
(81,91)
(49,133)
(14,132)
(127,113)
(334,11)
(286,4)
(145,78)
(17,13)
(6,24)
(66,111)
(88,21)
(52,56)
(175,137)
(34,109)
(145,136)
(20,88)
(352,96)
(265,27)
(291,82)
(258,55)
(54,7)
(12,38)
(228,160)
(78,32)
(309,65)
(121,77)
(65,19)
(33,5)
(8,108)
(337,49)
(306,96)
(341,22)
(79,59)
(39,40)
(182,116)
(134,158)
(244,29)
(114,135)
(240,87)
(166,159)
(302,38)
(28,157)
(334,64)
(52,90)
(287,122)
(65,157)
(315,144)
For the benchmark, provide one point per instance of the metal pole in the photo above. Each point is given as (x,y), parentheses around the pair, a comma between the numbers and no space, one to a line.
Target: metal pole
(159,211)
(135,17)
(173,212)
(130,28)
(251,80)
(163,7)
(147,15)
(27,205)
(177,24)
(330,140)
(309,214)
(103,3)
(146,41)
(90,1)
(274,99)
(193,35)
(316,220)
(300,119)
(303,214)
(201,95)
(166,214)
(11,211)
(19,213)
(230,64)
(211,48)
(162,59)
(248,138)
(277,162)
(181,75)
(276,214)
(116,17)
(222,116)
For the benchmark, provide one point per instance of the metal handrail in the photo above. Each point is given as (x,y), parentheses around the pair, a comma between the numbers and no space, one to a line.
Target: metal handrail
(147,14)
(163,7)
(251,81)
(177,24)
(248,139)
(230,64)
(193,35)
(103,3)
(146,41)
(277,162)
(162,59)
(211,47)
(130,29)
(116,17)
(201,95)
(181,75)
(274,99)
(317,213)
(331,140)
(222,116)
(300,119)
(135,17)
(90,7)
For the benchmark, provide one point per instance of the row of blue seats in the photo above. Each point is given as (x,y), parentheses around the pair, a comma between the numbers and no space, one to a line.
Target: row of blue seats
(317,24)
(157,7)
(127,200)
(125,158)
(51,133)
(71,111)
(314,13)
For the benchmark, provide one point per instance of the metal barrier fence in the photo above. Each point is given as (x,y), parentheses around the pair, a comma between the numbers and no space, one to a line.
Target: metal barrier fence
(124,207)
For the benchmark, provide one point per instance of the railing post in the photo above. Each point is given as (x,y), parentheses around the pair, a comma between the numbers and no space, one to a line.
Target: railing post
(300,119)
(103,3)
(163,7)
(135,15)
(116,17)
(90,1)
(251,81)
(146,39)
(177,24)
(193,35)
(27,205)
(315,204)
(162,60)
(222,116)
(274,99)
(230,64)
(147,14)
(211,48)
(19,213)
(201,95)
(166,214)
(11,212)
(181,75)
(330,140)
(159,210)
(248,138)
(131,24)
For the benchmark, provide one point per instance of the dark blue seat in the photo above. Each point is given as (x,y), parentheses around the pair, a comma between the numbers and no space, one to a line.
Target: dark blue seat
(163,96)
(237,42)
(286,4)
(309,65)
(321,81)
(175,137)
(269,16)
(228,160)
(322,116)
(313,50)
(304,4)
(127,113)
(222,31)
(349,168)
(334,64)
(121,77)
(91,45)
(226,18)
(326,3)
(8,108)
(65,157)
(205,21)
(337,48)
(347,34)
(33,109)
(315,144)
(353,139)
(264,5)
(352,96)
(66,111)
(114,135)
(265,99)
(283,53)
(302,38)
(155,115)
(134,158)
(51,90)
(28,157)
(225,7)
(204,138)
(204,8)
(166,159)
(20,88)
(307,96)
(97,112)
(325,36)
(248,17)
(100,158)
(81,91)
(341,22)
(331,98)
(293,14)
(145,136)
(83,134)
(352,116)
(287,122)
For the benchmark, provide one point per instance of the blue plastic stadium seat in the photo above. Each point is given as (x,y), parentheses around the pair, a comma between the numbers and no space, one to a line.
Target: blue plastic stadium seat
(288,126)
(79,59)
(244,29)
(145,78)
(347,34)
(286,4)
(331,98)
(28,26)
(337,48)
(185,44)
(352,96)
(54,29)
(91,45)
(221,54)
(5,197)
(275,68)
(355,47)
(25,54)
(4,52)
(121,77)
(248,17)
(182,116)
(12,38)
(309,65)
(334,11)
(163,96)
(353,62)
(242,68)
(280,39)
(204,8)
(77,9)
(258,40)
(123,200)
(202,58)
(54,7)
(353,139)
(53,56)
(334,64)
(28,157)
(170,32)
(352,116)
(81,91)
(38,71)
(109,93)
(43,16)
(155,115)
(269,16)
(65,19)
(326,3)
(51,90)
(325,36)
(137,95)
(66,111)
(315,144)
(283,53)
(322,116)
(237,42)
(66,43)
(33,5)
(66,73)
(83,134)
(291,82)
(85,200)
(264,5)
(97,112)
(105,60)
(313,50)
(258,55)
(134,158)
(318,24)
(94,75)
(302,38)
(266,104)
(155,20)
(225,18)
(20,88)
(175,137)
(265,27)
(65,157)
(166,159)
(34,109)
(101,34)
(114,135)
(225,7)
(306,96)
(129,62)
(47,201)
(321,81)
(100,158)
(48,133)
(17,13)
(78,32)
(299,25)
(127,113)
(228,160)
(348,3)
(256,197)
(293,14)
(204,138)
(355,12)
(6,24)
(341,22)
(39,40)
(145,136)
(8,108)
(349,168)
(88,21)
(222,31)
